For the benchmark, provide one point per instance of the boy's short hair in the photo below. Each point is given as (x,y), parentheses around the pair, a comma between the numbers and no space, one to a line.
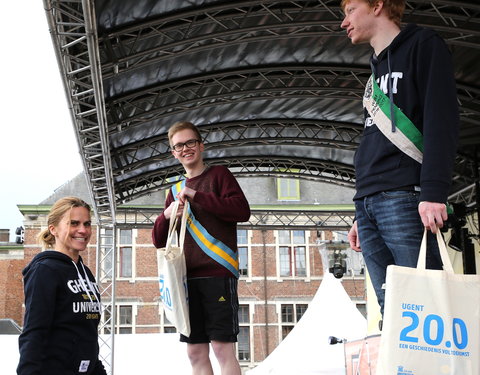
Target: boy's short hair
(394,8)
(182,125)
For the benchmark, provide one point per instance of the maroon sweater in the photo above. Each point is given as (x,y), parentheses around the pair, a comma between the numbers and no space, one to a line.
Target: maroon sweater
(219,204)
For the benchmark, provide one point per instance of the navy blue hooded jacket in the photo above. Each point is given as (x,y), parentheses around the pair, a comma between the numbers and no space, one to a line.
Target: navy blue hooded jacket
(62,311)
(422,84)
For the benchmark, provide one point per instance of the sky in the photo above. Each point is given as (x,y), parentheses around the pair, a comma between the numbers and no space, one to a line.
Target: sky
(38,147)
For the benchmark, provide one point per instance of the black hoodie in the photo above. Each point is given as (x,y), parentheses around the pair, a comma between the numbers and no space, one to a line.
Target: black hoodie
(62,311)
(423,87)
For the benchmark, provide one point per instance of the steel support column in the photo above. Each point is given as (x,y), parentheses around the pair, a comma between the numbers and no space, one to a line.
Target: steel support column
(73,30)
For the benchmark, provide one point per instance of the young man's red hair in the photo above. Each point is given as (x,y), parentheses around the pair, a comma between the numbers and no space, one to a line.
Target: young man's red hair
(394,8)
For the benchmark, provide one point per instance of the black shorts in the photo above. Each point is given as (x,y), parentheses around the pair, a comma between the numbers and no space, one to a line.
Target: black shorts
(213,307)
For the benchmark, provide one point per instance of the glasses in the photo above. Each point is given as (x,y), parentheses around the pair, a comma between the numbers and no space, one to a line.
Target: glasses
(189,144)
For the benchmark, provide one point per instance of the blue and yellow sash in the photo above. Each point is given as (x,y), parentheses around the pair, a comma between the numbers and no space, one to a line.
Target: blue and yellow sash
(214,248)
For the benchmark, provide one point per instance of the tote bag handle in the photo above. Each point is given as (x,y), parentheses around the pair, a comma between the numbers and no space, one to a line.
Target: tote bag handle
(422,256)
(173,226)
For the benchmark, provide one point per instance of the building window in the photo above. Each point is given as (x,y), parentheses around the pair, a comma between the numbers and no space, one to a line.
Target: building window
(106,249)
(125,319)
(242,243)
(125,261)
(292,252)
(288,189)
(291,315)
(125,252)
(243,344)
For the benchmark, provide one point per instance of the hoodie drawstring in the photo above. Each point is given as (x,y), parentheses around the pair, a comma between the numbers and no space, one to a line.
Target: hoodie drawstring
(390,93)
(82,280)
(390,87)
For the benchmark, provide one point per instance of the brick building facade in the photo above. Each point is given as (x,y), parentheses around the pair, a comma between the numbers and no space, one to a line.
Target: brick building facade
(280,273)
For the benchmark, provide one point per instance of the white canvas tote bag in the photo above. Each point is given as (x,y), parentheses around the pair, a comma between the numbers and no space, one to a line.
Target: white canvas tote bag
(172,273)
(431,321)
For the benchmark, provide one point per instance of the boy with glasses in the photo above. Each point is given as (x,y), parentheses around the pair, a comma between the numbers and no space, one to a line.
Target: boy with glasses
(217,204)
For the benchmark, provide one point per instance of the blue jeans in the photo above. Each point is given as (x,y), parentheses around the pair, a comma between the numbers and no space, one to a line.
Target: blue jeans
(390,232)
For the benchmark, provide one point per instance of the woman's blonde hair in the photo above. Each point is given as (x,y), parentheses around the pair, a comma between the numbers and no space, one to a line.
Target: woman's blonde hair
(58,210)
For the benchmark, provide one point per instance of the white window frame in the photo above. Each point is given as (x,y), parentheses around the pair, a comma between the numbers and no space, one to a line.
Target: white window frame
(131,245)
(119,246)
(248,245)
(293,185)
(250,324)
(281,324)
(118,326)
(292,245)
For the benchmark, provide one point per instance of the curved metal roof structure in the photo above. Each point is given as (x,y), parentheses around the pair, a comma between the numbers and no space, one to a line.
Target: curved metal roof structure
(275,86)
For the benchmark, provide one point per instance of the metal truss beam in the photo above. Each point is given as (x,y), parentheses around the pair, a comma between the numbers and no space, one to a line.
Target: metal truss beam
(249,84)
(464,180)
(268,132)
(227,86)
(308,169)
(260,132)
(254,83)
(312,220)
(335,218)
(221,25)
(466,195)
(457,21)
(233,86)
(216,25)
(73,30)
(277,166)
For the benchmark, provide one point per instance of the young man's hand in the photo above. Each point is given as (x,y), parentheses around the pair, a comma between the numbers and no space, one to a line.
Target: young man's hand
(433,215)
(353,238)
(185,193)
(168,211)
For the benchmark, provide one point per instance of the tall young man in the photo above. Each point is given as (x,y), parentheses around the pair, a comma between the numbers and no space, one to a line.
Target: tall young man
(217,204)
(404,162)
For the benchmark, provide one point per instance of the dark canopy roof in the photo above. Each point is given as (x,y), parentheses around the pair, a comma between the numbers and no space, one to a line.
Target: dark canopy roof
(275,87)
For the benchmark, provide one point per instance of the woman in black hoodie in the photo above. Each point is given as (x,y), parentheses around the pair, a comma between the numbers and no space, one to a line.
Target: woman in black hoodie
(62,300)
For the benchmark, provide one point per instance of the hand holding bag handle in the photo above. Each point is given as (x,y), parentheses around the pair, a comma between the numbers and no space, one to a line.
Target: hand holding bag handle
(421,264)
(173,226)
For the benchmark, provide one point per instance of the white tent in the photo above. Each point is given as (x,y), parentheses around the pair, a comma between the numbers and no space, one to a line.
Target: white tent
(306,350)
